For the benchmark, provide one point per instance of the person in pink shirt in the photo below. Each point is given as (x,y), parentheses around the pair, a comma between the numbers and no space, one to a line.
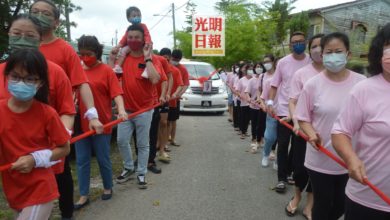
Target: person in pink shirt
(229,83)
(365,121)
(285,69)
(247,71)
(236,99)
(300,176)
(257,116)
(318,106)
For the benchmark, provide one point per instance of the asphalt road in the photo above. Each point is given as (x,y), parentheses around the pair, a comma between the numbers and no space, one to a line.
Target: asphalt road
(212,176)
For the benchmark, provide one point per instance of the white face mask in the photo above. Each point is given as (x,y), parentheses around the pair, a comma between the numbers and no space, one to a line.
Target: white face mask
(258,70)
(249,72)
(316,54)
(268,66)
(237,69)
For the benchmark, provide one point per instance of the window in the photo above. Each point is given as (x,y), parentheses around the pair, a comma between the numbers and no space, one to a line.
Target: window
(317,29)
(360,31)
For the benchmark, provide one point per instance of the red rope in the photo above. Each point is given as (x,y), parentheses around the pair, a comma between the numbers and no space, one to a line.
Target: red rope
(321,148)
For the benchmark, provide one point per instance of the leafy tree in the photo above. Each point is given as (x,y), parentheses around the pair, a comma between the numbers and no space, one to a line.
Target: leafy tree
(299,22)
(190,11)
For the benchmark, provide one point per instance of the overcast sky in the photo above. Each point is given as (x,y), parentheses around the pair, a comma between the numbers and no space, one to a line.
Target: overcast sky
(103,17)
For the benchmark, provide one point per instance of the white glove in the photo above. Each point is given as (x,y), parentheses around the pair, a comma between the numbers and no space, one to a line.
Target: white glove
(91,114)
(42,158)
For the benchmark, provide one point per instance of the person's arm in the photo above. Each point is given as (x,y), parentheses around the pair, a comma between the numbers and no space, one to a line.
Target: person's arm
(170,85)
(177,93)
(122,114)
(153,75)
(68,121)
(87,99)
(314,137)
(292,104)
(163,97)
(343,146)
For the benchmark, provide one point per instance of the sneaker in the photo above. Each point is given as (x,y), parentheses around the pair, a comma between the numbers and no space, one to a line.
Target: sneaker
(117,69)
(125,176)
(142,182)
(265,162)
(154,169)
(280,187)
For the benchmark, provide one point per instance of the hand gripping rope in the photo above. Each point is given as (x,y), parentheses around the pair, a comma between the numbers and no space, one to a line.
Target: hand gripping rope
(321,148)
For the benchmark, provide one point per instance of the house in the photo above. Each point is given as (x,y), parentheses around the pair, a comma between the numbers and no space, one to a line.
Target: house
(360,19)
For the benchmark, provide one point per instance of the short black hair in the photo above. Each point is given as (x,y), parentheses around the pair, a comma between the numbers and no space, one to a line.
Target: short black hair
(165,51)
(177,54)
(315,37)
(375,53)
(33,20)
(56,11)
(335,35)
(136,27)
(131,9)
(34,63)
(270,56)
(91,43)
(261,66)
(297,33)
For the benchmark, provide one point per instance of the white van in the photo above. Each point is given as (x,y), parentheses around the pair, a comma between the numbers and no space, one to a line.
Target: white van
(210,97)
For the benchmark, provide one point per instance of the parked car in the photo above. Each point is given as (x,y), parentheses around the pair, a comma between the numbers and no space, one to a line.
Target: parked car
(208,96)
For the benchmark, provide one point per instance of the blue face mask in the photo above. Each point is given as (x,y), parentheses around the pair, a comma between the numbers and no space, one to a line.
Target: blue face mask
(299,48)
(22,91)
(135,20)
(334,62)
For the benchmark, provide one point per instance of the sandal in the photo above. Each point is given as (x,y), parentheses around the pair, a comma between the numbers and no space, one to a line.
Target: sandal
(292,210)
(306,216)
(254,149)
(173,143)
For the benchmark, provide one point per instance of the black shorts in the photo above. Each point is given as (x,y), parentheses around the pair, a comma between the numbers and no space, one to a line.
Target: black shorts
(164,108)
(173,114)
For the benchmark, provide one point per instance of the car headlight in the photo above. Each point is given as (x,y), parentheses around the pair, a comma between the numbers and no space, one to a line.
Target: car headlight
(222,89)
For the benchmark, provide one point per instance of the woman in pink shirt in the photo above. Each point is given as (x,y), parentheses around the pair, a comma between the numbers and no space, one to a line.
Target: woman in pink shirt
(365,118)
(247,71)
(257,116)
(317,109)
(236,99)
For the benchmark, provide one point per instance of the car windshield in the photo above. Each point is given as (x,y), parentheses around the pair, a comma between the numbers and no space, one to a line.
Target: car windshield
(201,70)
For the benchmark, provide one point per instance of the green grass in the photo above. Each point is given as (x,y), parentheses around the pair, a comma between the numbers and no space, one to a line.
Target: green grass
(95,191)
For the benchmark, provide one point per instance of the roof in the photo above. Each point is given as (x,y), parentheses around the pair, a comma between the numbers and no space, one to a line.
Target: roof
(342,5)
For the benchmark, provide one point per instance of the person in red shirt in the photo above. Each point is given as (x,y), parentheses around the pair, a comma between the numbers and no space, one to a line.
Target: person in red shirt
(33,147)
(134,16)
(177,55)
(105,87)
(141,73)
(60,52)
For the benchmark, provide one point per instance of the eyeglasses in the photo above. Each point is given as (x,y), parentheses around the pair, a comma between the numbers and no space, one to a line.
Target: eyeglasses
(31,80)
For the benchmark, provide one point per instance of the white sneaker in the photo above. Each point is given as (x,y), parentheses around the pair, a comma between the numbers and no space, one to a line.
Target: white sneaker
(265,162)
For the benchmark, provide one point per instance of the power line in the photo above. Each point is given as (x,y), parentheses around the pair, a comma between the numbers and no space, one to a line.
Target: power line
(176,9)
(158,22)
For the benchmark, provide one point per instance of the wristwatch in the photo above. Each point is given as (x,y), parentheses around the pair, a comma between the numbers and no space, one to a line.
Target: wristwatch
(148,60)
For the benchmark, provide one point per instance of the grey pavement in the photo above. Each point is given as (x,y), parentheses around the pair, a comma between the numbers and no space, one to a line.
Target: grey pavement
(212,176)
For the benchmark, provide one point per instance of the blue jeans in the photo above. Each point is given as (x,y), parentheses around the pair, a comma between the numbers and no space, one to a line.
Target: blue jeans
(101,145)
(125,130)
(270,135)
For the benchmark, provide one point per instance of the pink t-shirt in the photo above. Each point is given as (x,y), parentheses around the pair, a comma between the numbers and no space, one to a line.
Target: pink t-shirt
(366,118)
(319,104)
(299,79)
(234,85)
(285,69)
(229,79)
(266,87)
(241,86)
(252,89)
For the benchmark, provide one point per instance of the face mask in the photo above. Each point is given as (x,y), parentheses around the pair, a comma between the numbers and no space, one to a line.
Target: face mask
(299,48)
(135,20)
(89,61)
(335,62)
(316,55)
(175,63)
(22,91)
(386,60)
(249,72)
(258,70)
(45,21)
(18,42)
(135,45)
(268,66)
(237,69)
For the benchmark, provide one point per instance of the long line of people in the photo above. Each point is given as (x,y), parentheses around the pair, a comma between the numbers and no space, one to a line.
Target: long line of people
(335,107)
(43,80)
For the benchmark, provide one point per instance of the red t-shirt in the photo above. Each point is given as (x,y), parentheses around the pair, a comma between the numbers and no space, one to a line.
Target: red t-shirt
(177,81)
(147,37)
(60,96)
(63,54)
(139,93)
(164,65)
(21,134)
(105,87)
(184,74)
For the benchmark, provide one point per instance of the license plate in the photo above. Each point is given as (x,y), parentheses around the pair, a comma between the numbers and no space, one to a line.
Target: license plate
(206,103)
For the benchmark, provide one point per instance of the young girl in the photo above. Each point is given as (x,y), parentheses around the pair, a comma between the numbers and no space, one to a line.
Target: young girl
(247,71)
(134,17)
(105,87)
(32,137)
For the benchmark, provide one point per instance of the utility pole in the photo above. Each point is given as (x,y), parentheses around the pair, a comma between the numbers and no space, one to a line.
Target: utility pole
(174,26)
(116,37)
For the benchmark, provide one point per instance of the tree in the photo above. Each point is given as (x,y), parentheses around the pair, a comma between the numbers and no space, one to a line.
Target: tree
(299,22)
(9,9)
(190,11)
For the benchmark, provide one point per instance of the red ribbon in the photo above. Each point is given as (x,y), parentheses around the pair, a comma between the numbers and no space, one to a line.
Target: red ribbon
(322,149)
